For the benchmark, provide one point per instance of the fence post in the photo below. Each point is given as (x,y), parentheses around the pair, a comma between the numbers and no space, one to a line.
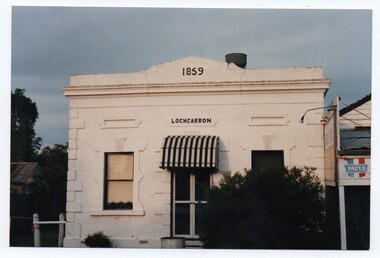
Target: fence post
(36,230)
(61,232)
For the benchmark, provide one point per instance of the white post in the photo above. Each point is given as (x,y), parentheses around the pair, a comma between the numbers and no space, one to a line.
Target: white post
(36,230)
(342,212)
(61,232)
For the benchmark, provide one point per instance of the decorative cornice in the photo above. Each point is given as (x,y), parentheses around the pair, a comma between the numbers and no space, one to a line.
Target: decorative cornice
(197,87)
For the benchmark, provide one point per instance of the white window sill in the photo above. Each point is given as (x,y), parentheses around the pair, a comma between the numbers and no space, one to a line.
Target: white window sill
(118,213)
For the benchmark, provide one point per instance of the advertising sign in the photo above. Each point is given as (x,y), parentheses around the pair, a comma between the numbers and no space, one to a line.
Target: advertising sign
(354,170)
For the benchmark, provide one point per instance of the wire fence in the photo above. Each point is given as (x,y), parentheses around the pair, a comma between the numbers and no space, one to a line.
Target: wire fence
(30,231)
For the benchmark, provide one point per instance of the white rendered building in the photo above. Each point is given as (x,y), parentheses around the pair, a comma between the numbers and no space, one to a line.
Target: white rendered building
(141,144)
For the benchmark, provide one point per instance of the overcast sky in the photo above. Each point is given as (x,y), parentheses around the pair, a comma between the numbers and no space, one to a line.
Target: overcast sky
(51,43)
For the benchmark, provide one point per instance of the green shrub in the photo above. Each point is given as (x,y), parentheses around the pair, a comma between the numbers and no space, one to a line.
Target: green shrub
(274,209)
(97,239)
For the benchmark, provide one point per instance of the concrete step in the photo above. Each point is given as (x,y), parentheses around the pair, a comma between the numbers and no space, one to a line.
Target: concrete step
(193,243)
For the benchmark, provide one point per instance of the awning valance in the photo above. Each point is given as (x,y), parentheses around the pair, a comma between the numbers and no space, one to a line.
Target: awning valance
(190,152)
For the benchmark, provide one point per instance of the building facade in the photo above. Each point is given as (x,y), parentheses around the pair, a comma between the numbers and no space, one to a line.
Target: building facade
(142,144)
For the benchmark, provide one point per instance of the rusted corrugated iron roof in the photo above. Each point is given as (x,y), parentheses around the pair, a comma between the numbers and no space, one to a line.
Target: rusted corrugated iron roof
(23,172)
(354,105)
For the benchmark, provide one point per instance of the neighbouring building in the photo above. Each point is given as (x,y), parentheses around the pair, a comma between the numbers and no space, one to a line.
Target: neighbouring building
(348,177)
(142,144)
(22,175)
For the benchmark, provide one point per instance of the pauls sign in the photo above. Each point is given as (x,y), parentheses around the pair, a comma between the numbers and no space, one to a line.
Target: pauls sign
(354,170)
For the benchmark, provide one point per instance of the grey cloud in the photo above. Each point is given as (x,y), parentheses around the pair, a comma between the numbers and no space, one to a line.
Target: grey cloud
(49,44)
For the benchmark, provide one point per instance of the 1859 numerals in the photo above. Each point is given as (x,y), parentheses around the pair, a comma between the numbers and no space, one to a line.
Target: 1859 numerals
(186,71)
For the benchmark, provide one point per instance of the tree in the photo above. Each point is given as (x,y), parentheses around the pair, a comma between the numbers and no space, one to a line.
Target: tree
(273,209)
(24,113)
(50,185)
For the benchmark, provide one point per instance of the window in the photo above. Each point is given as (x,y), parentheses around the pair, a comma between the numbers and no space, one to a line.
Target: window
(118,181)
(262,160)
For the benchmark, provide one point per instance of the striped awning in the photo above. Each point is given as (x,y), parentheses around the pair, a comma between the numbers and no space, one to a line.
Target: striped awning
(190,152)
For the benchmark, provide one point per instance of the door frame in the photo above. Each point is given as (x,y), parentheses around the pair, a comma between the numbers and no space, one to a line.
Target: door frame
(192,202)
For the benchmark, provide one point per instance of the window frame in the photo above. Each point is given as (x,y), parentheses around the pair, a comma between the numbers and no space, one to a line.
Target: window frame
(106,206)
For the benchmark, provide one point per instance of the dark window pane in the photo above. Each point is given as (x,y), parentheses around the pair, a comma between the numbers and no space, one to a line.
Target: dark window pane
(202,182)
(182,219)
(182,186)
(198,209)
(262,160)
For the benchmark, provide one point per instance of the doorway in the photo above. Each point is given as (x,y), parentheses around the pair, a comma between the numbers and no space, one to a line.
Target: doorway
(188,196)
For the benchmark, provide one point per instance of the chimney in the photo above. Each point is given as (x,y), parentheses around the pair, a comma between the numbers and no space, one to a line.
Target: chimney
(239,59)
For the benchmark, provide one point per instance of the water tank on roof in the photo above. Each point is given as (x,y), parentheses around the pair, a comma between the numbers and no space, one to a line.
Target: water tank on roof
(239,59)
